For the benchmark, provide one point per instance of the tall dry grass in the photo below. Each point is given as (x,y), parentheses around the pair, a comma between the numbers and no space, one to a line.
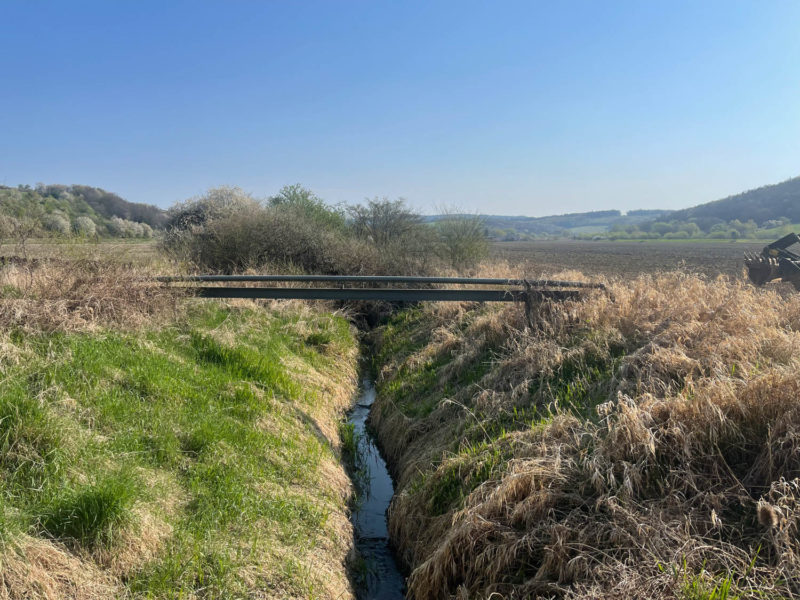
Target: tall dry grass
(659,454)
(82,294)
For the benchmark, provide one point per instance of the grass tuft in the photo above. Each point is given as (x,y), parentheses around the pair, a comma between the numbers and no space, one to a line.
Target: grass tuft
(92,514)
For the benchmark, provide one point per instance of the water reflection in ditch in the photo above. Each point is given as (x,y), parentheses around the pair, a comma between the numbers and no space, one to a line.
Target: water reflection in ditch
(381,577)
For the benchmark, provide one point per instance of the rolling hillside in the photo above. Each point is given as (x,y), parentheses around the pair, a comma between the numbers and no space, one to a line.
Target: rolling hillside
(763,204)
(64,209)
(508,228)
(760,213)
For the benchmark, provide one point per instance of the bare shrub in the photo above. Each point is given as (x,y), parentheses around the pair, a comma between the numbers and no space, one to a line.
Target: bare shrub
(215,204)
(228,231)
(20,231)
(383,221)
(405,244)
(7,226)
(185,230)
(255,236)
(462,239)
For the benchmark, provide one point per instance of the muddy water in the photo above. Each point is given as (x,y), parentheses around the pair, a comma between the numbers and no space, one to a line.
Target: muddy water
(383,579)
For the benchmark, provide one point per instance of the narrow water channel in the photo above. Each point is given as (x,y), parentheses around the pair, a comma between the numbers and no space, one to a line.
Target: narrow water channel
(383,580)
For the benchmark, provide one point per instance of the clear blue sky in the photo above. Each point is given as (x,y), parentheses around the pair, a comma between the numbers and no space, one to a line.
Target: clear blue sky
(502,107)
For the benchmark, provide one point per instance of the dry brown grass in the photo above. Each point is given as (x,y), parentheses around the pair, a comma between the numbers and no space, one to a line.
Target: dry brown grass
(680,464)
(37,568)
(82,295)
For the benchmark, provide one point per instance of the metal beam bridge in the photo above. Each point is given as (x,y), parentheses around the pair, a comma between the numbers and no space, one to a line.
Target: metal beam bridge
(510,290)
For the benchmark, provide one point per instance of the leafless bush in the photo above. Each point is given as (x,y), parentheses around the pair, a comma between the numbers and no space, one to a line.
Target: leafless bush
(384,221)
(462,239)
(256,236)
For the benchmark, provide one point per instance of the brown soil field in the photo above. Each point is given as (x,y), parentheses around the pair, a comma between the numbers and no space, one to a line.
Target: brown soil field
(627,259)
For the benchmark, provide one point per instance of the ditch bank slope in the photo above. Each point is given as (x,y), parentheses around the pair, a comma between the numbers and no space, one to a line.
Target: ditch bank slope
(645,447)
(193,456)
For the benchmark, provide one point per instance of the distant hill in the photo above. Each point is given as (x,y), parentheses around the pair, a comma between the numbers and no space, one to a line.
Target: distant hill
(107,204)
(761,205)
(65,209)
(503,227)
(763,213)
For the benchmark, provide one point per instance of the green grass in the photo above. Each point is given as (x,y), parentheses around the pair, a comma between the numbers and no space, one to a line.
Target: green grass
(479,450)
(457,477)
(355,462)
(91,514)
(202,425)
(347,432)
(415,391)
(698,588)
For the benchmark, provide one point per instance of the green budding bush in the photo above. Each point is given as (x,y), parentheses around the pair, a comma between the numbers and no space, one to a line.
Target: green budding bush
(227,230)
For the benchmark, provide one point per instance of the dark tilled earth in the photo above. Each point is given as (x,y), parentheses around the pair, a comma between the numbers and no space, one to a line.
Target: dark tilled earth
(627,259)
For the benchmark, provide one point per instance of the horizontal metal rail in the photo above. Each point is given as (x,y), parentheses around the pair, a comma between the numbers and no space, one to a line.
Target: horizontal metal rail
(387,294)
(535,283)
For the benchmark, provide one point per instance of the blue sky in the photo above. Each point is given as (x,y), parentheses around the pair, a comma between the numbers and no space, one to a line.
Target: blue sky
(500,107)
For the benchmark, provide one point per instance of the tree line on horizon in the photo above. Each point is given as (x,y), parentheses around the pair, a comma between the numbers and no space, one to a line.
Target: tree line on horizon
(85,211)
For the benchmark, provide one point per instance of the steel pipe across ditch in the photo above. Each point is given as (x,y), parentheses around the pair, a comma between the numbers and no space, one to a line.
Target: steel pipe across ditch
(387,294)
(533,283)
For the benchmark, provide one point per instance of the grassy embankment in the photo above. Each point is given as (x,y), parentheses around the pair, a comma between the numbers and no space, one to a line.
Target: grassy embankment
(645,447)
(169,448)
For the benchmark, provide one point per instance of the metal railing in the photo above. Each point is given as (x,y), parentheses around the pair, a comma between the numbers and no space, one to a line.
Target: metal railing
(527,289)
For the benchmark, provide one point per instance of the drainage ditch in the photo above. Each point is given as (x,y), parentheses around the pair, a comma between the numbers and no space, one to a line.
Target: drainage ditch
(378,575)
